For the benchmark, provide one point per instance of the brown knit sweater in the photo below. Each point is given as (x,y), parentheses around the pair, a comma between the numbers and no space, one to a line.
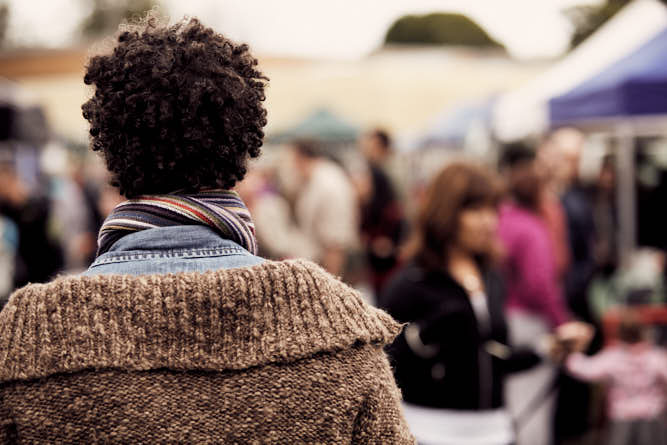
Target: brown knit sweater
(280,352)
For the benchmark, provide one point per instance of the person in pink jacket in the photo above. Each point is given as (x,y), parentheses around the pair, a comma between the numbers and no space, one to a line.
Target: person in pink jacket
(533,283)
(636,374)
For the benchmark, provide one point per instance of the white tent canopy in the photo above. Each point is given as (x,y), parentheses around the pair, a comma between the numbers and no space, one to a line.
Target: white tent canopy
(524,111)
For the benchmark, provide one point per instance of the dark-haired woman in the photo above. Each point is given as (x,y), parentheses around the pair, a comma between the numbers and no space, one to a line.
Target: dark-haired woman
(451,360)
(179,332)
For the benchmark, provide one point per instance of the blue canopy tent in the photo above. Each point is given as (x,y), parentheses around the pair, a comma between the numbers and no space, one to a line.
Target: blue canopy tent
(634,86)
(626,99)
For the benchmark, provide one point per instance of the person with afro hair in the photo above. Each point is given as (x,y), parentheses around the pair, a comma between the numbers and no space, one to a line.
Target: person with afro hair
(178,332)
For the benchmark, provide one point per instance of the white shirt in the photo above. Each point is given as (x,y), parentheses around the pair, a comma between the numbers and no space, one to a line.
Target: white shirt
(327,209)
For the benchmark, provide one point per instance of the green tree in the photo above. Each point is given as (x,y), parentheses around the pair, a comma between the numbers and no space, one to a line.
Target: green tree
(106,15)
(439,29)
(587,19)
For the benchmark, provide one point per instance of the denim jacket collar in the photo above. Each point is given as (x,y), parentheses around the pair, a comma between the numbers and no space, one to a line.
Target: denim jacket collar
(200,246)
(173,238)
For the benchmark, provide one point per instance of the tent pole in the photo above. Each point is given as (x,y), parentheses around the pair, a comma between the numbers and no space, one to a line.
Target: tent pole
(625,192)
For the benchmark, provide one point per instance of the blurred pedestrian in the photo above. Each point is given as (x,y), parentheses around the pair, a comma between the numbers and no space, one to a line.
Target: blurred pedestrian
(71,213)
(91,177)
(382,222)
(551,208)
(39,255)
(568,143)
(605,218)
(326,208)
(573,410)
(178,332)
(452,359)
(535,301)
(635,373)
(378,149)
(9,239)
(278,235)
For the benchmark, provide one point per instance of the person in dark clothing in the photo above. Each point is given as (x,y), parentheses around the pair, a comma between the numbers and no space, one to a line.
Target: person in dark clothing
(451,360)
(605,218)
(39,257)
(567,144)
(572,419)
(381,228)
(382,221)
(579,216)
(453,377)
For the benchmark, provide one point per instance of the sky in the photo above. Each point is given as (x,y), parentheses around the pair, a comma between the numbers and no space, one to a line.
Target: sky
(338,29)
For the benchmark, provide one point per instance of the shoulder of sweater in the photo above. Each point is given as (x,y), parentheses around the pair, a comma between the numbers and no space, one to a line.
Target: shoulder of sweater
(274,312)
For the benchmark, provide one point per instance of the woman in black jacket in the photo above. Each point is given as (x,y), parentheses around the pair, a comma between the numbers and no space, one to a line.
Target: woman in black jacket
(451,360)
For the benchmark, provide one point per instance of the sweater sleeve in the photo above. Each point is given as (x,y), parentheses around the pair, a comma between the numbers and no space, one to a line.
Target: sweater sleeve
(380,419)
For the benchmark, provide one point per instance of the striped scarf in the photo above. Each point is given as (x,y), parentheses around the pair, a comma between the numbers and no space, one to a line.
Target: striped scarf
(221,210)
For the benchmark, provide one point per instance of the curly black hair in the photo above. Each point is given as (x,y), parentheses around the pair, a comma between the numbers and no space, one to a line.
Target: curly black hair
(176,108)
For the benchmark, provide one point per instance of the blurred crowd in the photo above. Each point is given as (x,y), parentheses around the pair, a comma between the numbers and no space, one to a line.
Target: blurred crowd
(529,236)
(494,267)
(53,199)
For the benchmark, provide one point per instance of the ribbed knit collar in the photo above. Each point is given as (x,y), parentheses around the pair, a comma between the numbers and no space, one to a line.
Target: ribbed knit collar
(227,319)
